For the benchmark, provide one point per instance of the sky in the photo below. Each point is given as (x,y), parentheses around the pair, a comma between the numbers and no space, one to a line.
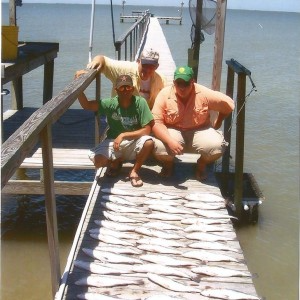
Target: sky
(267,5)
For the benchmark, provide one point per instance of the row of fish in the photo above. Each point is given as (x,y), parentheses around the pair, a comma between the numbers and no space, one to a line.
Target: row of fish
(140,244)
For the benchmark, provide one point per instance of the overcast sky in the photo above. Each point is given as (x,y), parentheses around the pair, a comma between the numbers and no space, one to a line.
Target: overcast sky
(269,5)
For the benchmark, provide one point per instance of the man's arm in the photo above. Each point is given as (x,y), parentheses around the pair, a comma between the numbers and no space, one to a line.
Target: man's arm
(97,63)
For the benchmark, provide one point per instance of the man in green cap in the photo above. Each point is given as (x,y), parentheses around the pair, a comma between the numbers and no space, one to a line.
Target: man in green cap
(182,122)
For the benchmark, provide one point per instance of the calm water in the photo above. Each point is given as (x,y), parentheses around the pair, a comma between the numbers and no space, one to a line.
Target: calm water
(266,43)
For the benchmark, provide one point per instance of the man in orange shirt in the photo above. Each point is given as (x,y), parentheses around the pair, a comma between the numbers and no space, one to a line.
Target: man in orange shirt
(182,122)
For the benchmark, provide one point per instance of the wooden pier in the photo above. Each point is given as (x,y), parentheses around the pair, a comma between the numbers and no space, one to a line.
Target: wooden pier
(142,206)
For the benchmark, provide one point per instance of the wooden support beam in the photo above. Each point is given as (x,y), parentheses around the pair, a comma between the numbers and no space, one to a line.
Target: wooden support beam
(48,81)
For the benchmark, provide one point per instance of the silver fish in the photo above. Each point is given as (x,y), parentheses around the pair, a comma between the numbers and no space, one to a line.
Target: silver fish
(94,296)
(205,197)
(227,294)
(174,202)
(165,217)
(162,297)
(118,218)
(161,242)
(171,284)
(110,240)
(201,205)
(158,249)
(162,226)
(208,237)
(116,191)
(164,270)
(159,195)
(166,260)
(190,221)
(206,228)
(213,246)
(219,271)
(157,233)
(118,249)
(208,256)
(99,268)
(118,200)
(213,214)
(107,281)
(114,225)
(170,209)
(111,257)
(114,233)
(121,208)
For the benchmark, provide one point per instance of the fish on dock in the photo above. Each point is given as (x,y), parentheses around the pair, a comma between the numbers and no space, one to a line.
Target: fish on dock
(119,218)
(206,228)
(96,296)
(171,209)
(121,208)
(207,256)
(212,246)
(111,257)
(219,271)
(162,216)
(108,239)
(114,225)
(158,249)
(160,195)
(118,249)
(189,221)
(227,294)
(118,200)
(204,197)
(171,284)
(160,242)
(208,237)
(167,260)
(114,233)
(157,233)
(162,226)
(107,281)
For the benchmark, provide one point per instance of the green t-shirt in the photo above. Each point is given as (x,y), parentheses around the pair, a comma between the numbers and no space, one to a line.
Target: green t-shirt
(119,119)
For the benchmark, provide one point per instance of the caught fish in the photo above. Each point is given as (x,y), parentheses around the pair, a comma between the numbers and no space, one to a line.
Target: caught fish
(118,218)
(166,260)
(158,249)
(171,284)
(219,271)
(121,208)
(96,296)
(107,281)
(162,297)
(164,270)
(111,257)
(201,205)
(170,209)
(174,202)
(116,191)
(110,240)
(213,214)
(118,249)
(227,294)
(212,246)
(206,228)
(161,242)
(190,221)
(114,225)
(162,226)
(114,233)
(204,197)
(99,268)
(118,200)
(208,256)
(208,237)
(165,217)
(157,233)
(159,195)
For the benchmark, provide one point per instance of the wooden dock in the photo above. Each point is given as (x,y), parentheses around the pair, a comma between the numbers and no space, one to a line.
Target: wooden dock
(88,254)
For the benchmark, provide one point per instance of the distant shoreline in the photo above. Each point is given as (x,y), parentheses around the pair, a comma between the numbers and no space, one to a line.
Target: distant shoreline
(257,5)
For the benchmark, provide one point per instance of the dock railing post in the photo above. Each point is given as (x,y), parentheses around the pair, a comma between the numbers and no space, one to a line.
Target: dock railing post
(50,204)
(240,134)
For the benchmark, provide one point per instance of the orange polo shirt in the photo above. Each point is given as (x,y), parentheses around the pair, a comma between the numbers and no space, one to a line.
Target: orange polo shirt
(194,114)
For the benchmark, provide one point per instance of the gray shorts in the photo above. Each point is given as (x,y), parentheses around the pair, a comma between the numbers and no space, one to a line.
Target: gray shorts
(128,148)
(206,142)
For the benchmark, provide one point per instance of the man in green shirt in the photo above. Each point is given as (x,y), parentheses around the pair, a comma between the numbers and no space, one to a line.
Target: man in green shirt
(128,138)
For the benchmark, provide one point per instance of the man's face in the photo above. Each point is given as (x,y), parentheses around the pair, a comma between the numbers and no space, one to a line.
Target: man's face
(125,91)
(183,88)
(146,70)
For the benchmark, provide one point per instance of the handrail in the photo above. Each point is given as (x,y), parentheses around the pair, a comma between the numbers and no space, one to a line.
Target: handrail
(23,140)
(135,34)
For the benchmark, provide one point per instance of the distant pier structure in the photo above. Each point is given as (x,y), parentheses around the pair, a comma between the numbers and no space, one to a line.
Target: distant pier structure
(135,15)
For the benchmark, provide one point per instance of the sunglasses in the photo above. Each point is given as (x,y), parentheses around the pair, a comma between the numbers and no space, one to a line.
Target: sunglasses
(183,84)
(125,87)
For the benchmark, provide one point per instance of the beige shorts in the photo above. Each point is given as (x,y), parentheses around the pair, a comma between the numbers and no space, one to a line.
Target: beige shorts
(128,148)
(206,142)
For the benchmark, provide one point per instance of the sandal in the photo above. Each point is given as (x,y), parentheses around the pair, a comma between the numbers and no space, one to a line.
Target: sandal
(136,181)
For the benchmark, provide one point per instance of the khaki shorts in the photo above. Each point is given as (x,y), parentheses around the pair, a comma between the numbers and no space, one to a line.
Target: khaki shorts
(128,148)
(206,142)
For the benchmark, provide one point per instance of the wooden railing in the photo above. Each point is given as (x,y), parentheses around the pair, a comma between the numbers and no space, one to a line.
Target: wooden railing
(128,45)
(19,145)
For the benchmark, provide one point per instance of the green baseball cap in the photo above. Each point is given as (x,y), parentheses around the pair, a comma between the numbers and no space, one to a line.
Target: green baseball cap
(186,73)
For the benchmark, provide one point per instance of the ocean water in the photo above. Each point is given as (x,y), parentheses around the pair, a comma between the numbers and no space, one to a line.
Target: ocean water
(267,43)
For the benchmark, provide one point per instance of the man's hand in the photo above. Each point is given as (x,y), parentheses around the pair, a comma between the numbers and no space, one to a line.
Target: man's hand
(175,147)
(96,63)
(79,73)
(118,140)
